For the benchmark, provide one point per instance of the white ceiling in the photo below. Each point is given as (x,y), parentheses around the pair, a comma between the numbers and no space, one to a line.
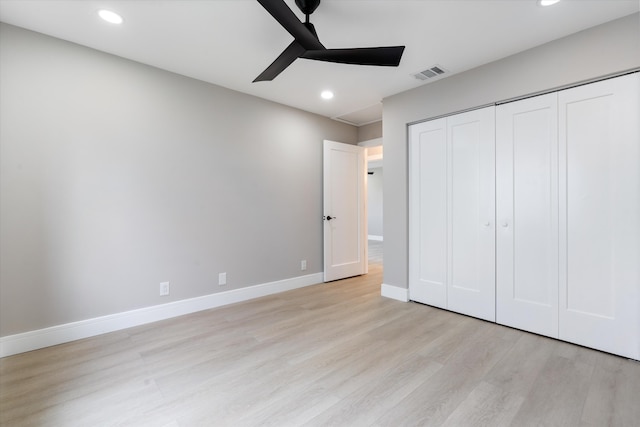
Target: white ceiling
(229,42)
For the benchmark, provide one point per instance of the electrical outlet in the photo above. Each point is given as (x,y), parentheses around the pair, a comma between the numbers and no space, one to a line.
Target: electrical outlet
(303,265)
(164,289)
(222,279)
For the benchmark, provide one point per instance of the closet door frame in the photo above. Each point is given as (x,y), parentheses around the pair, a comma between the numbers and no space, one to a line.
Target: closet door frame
(597,212)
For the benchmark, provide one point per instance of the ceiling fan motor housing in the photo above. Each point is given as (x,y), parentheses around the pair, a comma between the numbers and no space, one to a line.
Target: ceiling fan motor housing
(307,6)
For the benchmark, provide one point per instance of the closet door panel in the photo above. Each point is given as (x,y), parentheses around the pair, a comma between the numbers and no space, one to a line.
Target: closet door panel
(428,213)
(527,214)
(471,199)
(600,214)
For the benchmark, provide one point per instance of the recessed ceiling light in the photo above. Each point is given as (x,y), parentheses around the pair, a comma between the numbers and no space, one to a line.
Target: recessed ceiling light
(547,2)
(326,94)
(110,16)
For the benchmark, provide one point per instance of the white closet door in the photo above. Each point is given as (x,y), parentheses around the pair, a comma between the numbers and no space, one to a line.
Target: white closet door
(428,213)
(471,208)
(600,215)
(527,214)
(451,213)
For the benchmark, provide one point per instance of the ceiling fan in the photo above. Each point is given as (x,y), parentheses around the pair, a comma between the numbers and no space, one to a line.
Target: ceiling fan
(307,45)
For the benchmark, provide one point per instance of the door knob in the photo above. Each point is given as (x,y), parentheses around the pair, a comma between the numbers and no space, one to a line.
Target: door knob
(505,224)
(486,224)
(329,217)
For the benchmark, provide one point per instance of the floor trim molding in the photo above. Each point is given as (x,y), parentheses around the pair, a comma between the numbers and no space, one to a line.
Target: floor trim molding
(41,338)
(394,292)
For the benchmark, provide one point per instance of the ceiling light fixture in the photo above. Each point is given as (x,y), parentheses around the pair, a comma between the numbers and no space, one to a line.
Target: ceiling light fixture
(326,94)
(110,16)
(547,2)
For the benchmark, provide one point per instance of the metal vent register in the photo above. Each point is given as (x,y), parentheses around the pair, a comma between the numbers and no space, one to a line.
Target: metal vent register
(430,73)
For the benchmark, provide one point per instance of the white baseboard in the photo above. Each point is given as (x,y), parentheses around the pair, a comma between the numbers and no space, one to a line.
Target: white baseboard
(394,292)
(33,340)
(376,238)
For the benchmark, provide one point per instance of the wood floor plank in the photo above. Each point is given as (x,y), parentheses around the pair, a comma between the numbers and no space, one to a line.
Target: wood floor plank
(613,399)
(486,405)
(558,395)
(518,370)
(459,330)
(435,400)
(369,402)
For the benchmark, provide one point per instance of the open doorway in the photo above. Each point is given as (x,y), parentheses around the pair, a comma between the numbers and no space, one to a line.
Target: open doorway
(375,178)
(374,212)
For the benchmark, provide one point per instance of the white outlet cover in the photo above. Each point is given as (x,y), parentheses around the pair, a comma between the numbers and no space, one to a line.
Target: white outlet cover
(164,289)
(222,279)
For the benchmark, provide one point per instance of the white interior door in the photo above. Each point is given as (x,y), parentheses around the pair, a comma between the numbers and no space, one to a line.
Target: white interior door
(527,214)
(471,205)
(600,215)
(345,214)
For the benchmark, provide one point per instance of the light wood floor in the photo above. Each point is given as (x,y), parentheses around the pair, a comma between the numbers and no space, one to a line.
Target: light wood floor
(375,252)
(327,355)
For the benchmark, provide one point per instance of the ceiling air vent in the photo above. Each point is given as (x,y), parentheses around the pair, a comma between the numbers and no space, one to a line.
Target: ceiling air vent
(430,73)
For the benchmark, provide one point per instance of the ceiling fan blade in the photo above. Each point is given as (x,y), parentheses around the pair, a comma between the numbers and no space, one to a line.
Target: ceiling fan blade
(385,56)
(285,16)
(290,54)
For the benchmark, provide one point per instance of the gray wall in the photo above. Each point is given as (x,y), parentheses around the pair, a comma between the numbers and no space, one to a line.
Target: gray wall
(374,202)
(117,176)
(370,131)
(608,48)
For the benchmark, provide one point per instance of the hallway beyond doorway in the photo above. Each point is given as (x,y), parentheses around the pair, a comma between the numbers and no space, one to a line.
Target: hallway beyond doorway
(375,252)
